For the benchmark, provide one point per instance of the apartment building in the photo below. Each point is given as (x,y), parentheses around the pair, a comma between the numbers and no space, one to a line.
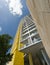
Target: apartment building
(27,48)
(32,46)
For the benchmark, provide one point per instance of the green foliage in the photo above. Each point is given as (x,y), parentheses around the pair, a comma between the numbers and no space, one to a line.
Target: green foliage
(4,47)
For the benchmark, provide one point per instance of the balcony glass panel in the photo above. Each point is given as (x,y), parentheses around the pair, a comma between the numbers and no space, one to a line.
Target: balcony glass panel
(35,38)
(26,43)
(25,36)
(29,25)
(33,32)
(32,28)
(23,32)
(24,28)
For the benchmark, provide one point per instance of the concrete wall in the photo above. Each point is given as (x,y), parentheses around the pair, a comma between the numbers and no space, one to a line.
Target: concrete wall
(40,11)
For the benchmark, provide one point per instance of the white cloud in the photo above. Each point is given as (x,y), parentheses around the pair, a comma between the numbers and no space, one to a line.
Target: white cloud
(15,7)
(0,28)
(7,1)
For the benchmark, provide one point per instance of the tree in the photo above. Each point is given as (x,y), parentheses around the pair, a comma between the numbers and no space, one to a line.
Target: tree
(5,45)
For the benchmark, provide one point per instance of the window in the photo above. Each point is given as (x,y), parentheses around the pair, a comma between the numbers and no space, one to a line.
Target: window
(23,37)
(24,31)
(35,38)
(32,27)
(33,32)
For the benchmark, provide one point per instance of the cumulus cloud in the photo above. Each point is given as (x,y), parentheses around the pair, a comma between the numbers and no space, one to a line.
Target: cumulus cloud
(15,7)
(0,28)
(7,1)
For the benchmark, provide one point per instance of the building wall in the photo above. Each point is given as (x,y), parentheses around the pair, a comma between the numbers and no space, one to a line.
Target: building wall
(30,59)
(18,57)
(40,11)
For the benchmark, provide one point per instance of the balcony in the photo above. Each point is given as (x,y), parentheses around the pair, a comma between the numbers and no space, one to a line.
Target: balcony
(26,30)
(27,36)
(31,45)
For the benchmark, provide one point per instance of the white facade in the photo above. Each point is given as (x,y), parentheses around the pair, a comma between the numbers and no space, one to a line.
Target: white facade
(29,35)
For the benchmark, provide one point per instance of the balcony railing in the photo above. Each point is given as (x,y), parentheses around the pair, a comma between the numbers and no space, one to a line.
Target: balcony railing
(29,43)
(23,39)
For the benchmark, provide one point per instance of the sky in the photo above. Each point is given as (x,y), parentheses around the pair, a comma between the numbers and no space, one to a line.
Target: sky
(11,12)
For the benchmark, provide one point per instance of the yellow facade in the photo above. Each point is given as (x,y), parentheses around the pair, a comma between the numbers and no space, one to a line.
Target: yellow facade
(30,59)
(18,57)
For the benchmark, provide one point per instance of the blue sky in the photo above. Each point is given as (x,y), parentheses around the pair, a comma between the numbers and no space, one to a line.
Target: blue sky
(11,12)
